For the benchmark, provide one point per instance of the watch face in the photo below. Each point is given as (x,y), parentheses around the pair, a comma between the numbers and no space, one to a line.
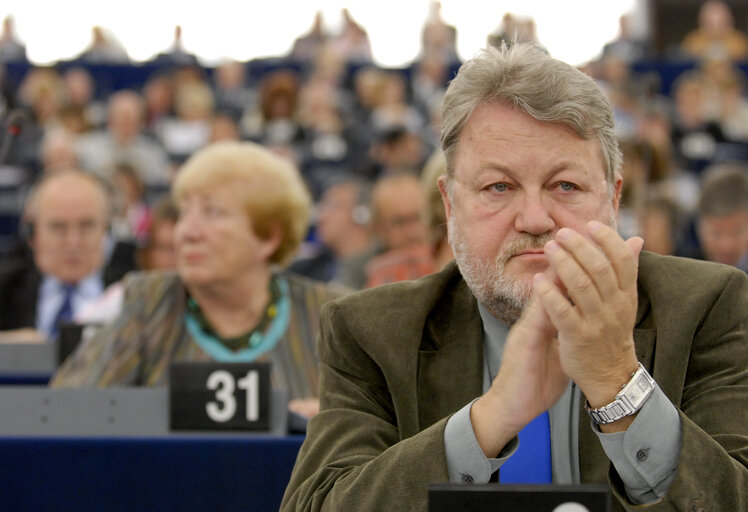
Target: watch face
(628,401)
(639,390)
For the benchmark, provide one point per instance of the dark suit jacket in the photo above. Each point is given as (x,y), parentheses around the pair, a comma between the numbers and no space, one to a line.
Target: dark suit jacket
(398,360)
(20,281)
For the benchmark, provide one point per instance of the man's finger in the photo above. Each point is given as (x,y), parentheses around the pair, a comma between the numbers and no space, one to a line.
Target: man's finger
(623,255)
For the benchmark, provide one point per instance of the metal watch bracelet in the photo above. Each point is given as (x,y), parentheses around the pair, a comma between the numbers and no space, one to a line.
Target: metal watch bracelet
(628,401)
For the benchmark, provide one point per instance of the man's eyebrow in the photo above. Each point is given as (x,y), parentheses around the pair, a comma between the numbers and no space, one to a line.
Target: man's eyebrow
(560,167)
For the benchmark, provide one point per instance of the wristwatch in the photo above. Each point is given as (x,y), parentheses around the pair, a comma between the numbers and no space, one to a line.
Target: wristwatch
(628,401)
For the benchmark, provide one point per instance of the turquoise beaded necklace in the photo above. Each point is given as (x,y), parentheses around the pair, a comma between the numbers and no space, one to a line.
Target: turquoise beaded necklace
(247,347)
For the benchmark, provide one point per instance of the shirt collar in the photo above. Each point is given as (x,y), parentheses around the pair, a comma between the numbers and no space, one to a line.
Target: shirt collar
(89,287)
(494,338)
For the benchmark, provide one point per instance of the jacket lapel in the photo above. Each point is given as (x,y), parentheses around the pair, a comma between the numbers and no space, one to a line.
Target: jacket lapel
(450,358)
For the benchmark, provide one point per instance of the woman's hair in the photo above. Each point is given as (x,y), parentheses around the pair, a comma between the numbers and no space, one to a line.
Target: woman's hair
(271,189)
(528,79)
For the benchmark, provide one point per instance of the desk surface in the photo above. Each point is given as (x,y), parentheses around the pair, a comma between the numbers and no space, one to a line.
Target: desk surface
(186,473)
(112,450)
(27,363)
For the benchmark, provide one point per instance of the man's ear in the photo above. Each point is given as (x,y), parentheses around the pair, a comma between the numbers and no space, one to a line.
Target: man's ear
(616,196)
(442,183)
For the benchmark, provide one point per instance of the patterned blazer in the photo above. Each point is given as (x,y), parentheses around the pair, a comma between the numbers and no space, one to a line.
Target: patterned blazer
(137,347)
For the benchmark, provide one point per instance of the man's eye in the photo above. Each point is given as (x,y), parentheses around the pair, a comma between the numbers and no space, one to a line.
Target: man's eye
(566,186)
(500,187)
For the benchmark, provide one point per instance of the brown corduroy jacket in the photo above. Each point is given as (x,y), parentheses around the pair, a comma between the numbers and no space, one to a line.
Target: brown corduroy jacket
(398,360)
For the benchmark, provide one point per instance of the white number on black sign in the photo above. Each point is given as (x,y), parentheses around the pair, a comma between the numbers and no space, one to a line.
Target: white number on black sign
(224,408)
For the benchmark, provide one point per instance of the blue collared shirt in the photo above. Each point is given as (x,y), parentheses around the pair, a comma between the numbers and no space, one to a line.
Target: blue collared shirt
(52,295)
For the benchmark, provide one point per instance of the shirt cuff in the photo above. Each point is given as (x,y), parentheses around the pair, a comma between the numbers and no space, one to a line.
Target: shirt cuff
(646,455)
(466,462)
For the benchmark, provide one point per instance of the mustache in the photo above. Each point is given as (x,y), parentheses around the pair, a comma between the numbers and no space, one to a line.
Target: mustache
(524,242)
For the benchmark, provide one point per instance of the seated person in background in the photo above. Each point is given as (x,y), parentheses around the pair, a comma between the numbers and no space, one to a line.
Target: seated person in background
(422,259)
(131,212)
(481,371)
(68,214)
(722,224)
(157,253)
(124,139)
(346,239)
(398,203)
(715,34)
(242,212)
(661,225)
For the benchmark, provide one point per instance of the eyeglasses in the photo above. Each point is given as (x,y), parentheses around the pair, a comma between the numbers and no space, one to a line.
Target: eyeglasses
(86,229)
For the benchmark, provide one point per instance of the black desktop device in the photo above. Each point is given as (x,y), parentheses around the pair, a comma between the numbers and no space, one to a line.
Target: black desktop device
(518,498)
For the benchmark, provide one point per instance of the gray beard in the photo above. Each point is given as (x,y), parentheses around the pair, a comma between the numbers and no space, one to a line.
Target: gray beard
(504,296)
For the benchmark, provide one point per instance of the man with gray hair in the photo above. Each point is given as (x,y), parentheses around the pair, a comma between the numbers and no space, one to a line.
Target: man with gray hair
(552,350)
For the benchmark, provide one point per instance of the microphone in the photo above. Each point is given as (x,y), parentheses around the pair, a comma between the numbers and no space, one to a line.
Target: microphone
(13,127)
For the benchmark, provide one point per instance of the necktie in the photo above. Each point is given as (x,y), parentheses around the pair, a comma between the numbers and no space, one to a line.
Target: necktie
(531,463)
(65,313)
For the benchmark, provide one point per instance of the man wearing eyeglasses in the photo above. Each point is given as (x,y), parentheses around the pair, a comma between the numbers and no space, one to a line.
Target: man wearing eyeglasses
(72,259)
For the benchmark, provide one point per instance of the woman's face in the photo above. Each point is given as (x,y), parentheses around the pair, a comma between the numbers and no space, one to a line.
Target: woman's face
(215,242)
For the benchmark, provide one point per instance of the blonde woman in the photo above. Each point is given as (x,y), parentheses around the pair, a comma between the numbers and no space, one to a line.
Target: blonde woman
(242,214)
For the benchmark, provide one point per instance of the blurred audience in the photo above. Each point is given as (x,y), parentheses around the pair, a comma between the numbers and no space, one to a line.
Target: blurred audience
(11,48)
(233,94)
(352,42)
(158,97)
(57,150)
(661,225)
(124,140)
(305,47)
(176,54)
(722,224)
(80,97)
(438,38)
(342,120)
(627,45)
(189,129)
(695,137)
(223,126)
(515,29)
(104,49)
(156,252)
(131,215)
(398,205)
(159,250)
(345,236)
(716,35)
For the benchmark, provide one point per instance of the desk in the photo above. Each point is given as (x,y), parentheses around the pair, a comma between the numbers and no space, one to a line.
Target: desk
(27,363)
(108,450)
(200,473)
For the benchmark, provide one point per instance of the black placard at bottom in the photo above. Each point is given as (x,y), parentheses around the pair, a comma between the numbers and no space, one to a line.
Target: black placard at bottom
(519,498)
(219,396)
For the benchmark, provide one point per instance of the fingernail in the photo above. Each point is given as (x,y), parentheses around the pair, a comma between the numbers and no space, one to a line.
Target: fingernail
(594,225)
(551,246)
(564,233)
(538,278)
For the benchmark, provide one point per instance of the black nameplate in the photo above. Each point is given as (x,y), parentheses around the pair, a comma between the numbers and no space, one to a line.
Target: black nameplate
(219,396)
(69,339)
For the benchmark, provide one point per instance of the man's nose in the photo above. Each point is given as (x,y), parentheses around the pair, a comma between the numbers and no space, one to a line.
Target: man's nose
(533,214)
